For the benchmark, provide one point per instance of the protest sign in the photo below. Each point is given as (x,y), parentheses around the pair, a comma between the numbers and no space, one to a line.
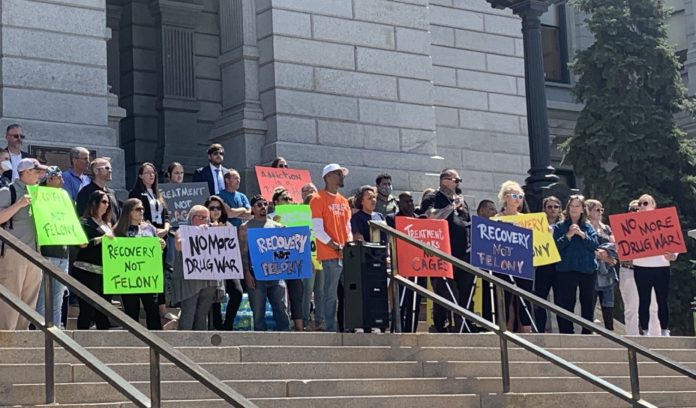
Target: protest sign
(413,261)
(647,233)
(290,179)
(300,215)
(55,218)
(211,253)
(132,265)
(280,253)
(180,197)
(502,247)
(545,251)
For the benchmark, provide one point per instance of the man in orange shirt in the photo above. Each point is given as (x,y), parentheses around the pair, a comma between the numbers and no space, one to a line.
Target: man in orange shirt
(331,227)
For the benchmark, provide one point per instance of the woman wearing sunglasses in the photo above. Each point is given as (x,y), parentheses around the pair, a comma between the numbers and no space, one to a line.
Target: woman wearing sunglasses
(233,287)
(545,275)
(607,262)
(652,272)
(519,314)
(576,240)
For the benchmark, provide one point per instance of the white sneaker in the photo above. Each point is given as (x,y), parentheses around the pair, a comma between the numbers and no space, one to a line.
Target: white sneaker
(665,333)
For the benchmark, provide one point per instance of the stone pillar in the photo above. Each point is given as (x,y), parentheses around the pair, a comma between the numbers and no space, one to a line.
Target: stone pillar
(177,105)
(241,127)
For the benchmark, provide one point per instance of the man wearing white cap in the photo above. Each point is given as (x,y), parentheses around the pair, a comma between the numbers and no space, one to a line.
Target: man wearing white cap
(17,274)
(331,227)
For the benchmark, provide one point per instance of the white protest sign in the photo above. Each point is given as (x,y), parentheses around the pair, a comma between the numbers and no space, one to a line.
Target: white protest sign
(211,253)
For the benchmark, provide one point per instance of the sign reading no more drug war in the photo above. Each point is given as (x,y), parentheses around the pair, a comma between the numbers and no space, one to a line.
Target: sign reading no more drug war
(132,265)
(54,217)
(647,233)
(545,250)
(413,261)
(211,253)
(291,179)
(181,197)
(280,253)
(501,247)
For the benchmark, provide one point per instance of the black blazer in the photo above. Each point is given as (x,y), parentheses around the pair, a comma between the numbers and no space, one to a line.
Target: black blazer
(147,215)
(83,198)
(206,174)
(23,153)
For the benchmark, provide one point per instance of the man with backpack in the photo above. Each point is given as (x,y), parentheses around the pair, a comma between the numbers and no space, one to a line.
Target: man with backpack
(17,274)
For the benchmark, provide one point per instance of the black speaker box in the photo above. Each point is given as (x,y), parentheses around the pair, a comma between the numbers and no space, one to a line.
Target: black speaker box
(365,286)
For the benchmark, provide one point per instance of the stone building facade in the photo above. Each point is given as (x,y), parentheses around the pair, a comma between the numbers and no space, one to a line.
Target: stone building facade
(403,86)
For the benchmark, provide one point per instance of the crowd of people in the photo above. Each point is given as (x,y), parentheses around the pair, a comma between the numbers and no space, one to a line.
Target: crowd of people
(589,263)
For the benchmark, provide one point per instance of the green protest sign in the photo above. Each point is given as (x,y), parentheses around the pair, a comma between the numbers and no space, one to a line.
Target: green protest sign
(54,217)
(298,215)
(132,265)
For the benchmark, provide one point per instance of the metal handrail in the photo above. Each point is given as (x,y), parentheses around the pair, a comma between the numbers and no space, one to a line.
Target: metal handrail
(158,347)
(500,329)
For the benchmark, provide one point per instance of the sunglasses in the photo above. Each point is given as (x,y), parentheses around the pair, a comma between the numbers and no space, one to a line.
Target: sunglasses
(599,210)
(261,205)
(139,209)
(105,168)
(644,203)
(282,166)
(218,153)
(17,137)
(215,208)
(455,179)
(553,207)
(516,196)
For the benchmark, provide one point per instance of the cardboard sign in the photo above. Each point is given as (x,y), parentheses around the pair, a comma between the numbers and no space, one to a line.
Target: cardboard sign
(54,217)
(647,233)
(280,253)
(181,197)
(211,253)
(132,265)
(501,247)
(299,215)
(291,179)
(413,261)
(545,251)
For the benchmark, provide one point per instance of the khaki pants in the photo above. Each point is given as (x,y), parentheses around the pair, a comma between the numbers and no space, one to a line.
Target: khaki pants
(23,279)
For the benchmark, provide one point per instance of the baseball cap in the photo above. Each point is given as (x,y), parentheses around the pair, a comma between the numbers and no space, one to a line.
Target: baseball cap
(28,164)
(52,171)
(333,167)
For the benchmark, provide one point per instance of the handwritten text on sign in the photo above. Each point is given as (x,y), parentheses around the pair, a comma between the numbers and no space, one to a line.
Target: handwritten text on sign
(132,265)
(502,247)
(413,261)
(291,179)
(647,233)
(299,215)
(545,251)
(280,253)
(181,197)
(54,217)
(210,253)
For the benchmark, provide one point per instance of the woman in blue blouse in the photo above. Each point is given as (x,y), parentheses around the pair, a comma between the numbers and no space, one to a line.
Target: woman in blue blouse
(576,240)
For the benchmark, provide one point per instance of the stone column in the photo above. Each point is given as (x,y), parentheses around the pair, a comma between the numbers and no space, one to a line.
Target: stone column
(241,127)
(177,105)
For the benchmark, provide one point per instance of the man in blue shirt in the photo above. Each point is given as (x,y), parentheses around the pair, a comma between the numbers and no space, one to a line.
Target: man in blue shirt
(239,207)
(75,178)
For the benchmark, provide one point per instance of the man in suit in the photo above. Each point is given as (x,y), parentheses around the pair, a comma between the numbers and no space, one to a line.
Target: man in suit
(213,173)
(15,137)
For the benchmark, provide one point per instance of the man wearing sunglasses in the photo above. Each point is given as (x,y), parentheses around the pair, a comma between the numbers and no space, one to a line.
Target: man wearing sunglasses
(102,173)
(213,173)
(15,137)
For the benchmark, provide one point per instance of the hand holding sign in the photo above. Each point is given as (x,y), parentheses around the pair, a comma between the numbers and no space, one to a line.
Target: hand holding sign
(290,179)
(545,251)
(54,216)
(648,233)
(412,261)
(132,265)
(210,253)
(280,253)
(502,247)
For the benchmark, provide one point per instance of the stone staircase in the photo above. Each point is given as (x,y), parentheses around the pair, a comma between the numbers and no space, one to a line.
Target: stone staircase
(306,370)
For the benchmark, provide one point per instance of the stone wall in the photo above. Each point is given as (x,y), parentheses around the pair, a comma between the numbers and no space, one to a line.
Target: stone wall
(54,72)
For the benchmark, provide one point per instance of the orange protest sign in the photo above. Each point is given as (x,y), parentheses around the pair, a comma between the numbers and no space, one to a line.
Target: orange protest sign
(647,233)
(291,179)
(415,262)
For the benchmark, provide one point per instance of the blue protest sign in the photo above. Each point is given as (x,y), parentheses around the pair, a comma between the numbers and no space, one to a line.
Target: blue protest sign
(280,253)
(502,247)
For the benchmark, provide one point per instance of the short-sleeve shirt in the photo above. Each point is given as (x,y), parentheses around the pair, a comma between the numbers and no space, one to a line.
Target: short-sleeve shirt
(359,224)
(334,210)
(235,200)
(22,222)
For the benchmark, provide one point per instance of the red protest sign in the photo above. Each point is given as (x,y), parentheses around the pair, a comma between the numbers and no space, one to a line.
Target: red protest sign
(647,233)
(413,261)
(291,179)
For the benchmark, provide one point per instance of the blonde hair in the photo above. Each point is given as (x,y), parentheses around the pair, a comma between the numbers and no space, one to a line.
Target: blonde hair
(506,188)
(648,197)
(591,204)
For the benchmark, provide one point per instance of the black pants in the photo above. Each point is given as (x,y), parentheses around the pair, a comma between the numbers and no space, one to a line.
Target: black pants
(567,285)
(295,297)
(89,314)
(408,323)
(646,280)
(150,301)
(461,288)
(544,282)
(233,303)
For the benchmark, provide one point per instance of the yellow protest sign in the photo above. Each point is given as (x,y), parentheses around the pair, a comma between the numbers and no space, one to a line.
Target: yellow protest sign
(545,251)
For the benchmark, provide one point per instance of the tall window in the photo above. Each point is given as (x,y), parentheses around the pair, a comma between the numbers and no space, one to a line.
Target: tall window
(676,28)
(554,44)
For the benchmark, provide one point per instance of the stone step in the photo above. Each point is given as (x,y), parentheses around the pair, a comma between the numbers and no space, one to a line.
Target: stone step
(662,399)
(382,401)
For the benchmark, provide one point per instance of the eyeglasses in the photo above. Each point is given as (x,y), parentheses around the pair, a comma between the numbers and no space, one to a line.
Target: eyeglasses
(455,179)
(516,196)
(218,153)
(139,209)
(261,205)
(553,207)
(644,203)
(215,208)
(105,168)
(19,136)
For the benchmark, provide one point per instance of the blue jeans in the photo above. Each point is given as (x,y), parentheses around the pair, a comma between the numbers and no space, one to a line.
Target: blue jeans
(274,290)
(333,273)
(314,284)
(58,291)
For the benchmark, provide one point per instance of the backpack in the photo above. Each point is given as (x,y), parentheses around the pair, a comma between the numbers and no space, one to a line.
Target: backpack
(8,225)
